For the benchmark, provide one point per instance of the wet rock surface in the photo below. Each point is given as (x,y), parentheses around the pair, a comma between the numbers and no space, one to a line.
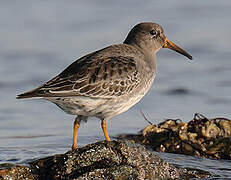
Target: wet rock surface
(202,137)
(13,172)
(105,160)
(102,160)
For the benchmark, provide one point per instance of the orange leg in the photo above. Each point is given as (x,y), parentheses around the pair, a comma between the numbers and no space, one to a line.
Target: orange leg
(104,127)
(75,133)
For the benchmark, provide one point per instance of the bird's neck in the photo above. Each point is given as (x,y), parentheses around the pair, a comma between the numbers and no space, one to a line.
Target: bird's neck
(150,58)
(152,62)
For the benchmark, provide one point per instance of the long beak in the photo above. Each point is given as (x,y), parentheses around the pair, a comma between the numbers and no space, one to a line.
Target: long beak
(171,45)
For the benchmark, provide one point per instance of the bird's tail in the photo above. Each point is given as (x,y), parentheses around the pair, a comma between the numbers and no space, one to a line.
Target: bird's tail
(31,94)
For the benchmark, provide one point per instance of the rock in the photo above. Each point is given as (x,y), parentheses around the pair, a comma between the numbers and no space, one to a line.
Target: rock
(15,172)
(103,160)
(203,137)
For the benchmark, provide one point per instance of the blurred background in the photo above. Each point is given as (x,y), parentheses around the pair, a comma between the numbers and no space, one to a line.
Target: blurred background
(39,39)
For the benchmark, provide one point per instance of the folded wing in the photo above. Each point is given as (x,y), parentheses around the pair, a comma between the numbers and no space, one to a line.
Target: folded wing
(104,77)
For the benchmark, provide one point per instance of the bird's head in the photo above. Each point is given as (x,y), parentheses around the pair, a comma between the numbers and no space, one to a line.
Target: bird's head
(150,36)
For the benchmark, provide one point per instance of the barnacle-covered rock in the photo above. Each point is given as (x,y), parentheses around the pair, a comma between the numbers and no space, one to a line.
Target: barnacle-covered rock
(203,137)
(102,160)
(15,172)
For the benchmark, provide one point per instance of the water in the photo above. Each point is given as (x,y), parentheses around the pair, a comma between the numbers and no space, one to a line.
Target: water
(39,39)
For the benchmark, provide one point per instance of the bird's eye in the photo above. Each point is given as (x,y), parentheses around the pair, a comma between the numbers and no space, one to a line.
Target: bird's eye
(153,32)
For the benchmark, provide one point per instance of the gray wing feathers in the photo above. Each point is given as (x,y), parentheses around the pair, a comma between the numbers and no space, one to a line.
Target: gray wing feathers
(104,77)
